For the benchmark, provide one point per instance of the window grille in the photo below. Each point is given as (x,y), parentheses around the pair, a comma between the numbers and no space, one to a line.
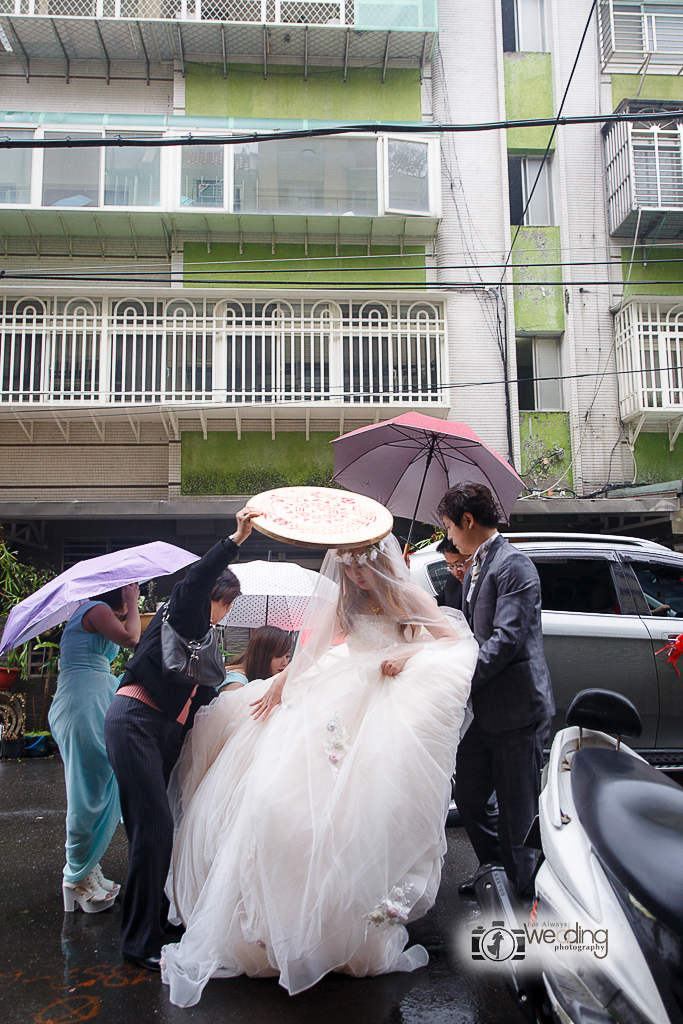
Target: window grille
(237,350)
(649,349)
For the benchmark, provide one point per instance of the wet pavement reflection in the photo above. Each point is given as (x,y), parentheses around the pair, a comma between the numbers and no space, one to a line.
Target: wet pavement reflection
(58,968)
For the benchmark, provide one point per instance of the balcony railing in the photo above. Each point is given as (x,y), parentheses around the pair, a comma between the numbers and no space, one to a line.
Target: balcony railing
(383,15)
(634,35)
(140,352)
(645,178)
(274,12)
(649,349)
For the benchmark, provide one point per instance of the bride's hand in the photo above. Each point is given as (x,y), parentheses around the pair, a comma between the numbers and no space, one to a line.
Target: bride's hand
(392,666)
(271,698)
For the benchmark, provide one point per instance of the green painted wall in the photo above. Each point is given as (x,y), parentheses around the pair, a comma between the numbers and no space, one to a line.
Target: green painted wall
(256,255)
(223,465)
(285,93)
(538,307)
(541,434)
(528,93)
(640,275)
(654,462)
(655,87)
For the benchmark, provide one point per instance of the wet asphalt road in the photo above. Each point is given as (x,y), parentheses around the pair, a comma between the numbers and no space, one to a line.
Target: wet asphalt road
(58,968)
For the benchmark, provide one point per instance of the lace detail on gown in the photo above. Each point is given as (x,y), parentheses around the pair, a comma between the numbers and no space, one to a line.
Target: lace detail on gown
(374,633)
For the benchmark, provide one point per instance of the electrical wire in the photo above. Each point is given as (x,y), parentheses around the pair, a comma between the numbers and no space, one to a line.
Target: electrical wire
(365,285)
(339,392)
(121,139)
(558,120)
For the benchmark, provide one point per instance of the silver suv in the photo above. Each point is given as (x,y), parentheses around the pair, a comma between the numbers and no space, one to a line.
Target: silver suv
(609,605)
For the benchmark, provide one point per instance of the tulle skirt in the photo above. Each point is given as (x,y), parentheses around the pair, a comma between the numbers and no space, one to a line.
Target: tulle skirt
(305,843)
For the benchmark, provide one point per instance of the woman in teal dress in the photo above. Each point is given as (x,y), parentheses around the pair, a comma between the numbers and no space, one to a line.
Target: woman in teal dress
(85,689)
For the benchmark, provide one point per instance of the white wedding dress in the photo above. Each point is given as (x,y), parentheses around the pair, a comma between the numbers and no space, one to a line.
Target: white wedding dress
(308,840)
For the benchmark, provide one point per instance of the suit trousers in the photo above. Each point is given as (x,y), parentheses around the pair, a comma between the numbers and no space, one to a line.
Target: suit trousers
(143,746)
(508,763)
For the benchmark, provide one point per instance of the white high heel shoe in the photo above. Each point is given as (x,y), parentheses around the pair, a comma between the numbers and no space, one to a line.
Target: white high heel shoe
(105,883)
(88,894)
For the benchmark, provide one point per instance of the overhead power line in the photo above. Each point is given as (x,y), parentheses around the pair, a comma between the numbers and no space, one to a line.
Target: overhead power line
(375,127)
(239,268)
(449,386)
(361,285)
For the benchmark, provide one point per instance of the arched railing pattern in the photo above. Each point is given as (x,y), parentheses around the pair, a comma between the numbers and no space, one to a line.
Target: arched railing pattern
(240,350)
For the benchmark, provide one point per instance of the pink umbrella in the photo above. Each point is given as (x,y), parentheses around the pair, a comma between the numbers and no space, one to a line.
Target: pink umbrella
(58,600)
(408,464)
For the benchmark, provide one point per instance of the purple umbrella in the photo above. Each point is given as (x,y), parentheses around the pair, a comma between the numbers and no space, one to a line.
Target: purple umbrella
(409,463)
(58,600)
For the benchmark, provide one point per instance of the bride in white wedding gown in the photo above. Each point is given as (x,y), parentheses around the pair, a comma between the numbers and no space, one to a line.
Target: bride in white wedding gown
(310,808)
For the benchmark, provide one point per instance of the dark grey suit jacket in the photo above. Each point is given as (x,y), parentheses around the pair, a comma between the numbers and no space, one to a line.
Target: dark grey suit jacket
(511,685)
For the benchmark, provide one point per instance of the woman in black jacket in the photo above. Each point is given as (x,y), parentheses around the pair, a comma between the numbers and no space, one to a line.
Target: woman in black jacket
(144,728)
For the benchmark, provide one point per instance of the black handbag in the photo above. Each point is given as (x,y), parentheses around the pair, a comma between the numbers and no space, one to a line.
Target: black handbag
(199,660)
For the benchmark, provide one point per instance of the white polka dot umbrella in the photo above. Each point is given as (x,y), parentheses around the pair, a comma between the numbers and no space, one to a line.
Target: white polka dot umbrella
(273,594)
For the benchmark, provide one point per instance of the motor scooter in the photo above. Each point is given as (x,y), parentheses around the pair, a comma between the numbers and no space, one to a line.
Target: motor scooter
(604,939)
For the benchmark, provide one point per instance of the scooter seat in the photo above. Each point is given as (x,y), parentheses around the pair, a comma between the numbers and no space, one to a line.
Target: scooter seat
(633,817)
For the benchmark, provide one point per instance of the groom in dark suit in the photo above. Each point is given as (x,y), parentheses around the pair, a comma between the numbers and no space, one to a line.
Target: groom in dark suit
(512,697)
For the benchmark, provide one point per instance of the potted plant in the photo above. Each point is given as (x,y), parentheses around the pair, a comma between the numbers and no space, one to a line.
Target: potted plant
(17,581)
(147,606)
(13,724)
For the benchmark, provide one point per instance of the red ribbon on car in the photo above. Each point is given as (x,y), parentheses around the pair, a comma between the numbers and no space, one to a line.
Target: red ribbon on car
(675,649)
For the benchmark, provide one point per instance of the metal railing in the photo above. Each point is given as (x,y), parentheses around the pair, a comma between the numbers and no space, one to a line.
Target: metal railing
(249,350)
(632,32)
(649,350)
(274,12)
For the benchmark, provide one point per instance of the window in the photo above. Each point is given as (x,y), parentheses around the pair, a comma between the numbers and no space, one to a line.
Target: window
(131,174)
(307,176)
(538,374)
(577,585)
(522,174)
(202,176)
(439,575)
(523,25)
(71,177)
(15,170)
(662,586)
(408,182)
(658,167)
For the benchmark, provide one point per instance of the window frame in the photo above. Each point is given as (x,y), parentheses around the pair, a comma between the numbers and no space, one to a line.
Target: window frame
(170,171)
(175,178)
(627,559)
(621,589)
(534,340)
(384,205)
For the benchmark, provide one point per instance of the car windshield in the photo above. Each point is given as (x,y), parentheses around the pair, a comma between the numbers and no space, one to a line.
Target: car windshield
(662,585)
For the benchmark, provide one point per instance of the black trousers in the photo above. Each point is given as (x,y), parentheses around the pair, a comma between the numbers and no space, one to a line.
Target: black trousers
(508,763)
(142,746)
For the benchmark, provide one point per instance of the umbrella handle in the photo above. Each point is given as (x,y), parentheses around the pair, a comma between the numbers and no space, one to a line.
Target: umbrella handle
(432,448)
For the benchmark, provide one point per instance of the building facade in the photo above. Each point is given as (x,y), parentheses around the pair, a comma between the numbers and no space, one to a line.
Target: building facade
(182,325)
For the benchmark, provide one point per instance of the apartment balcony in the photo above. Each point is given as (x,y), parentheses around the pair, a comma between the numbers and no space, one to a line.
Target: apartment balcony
(379,189)
(338,33)
(649,351)
(109,355)
(637,36)
(645,180)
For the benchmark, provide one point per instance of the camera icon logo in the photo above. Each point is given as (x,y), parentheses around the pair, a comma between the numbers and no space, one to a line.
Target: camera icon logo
(498,943)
